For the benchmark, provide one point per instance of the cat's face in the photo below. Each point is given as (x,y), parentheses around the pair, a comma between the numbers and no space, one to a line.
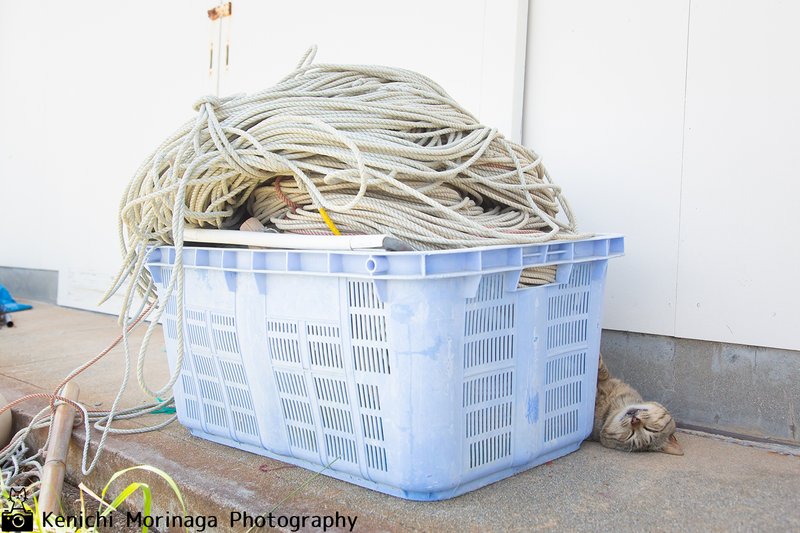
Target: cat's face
(641,427)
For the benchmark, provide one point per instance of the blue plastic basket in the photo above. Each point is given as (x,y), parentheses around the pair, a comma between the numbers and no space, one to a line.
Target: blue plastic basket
(418,374)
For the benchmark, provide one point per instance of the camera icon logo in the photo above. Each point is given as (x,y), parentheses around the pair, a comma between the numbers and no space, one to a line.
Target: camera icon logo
(17,518)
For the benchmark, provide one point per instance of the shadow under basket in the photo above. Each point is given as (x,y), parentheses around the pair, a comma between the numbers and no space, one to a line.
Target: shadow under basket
(423,375)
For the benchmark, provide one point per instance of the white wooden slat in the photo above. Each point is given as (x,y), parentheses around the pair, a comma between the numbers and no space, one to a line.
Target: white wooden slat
(740,230)
(472,48)
(604,97)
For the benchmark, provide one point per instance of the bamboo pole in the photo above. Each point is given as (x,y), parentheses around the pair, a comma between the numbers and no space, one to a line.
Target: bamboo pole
(55,465)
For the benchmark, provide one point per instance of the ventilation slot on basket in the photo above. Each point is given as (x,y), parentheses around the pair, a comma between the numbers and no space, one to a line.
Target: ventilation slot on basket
(563,381)
(376,458)
(215,415)
(490,288)
(566,334)
(171,308)
(197,330)
(581,275)
(233,372)
(166,275)
(368,327)
(340,448)
(204,365)
(240,401)
(206,385)
(240,398)
(191,409)
(297,411)
(488,388)
(324,346)
(170,322)
(284,345)
(568,311)
(210,390)
(245,423)
(291,383)
(488,419)
(489,450)
(189,392)
(562,396)
(186,365)
(373,426)
(223,328)
(483,320)
(368,397)
(331,390)
(560,425)
(488,350)
(171,328)
(336,419)
(566,367)
(188,385)
(489,327)
(360,294)
(369,402)
(303,438)
(370,346)
(568,304)
(371,359)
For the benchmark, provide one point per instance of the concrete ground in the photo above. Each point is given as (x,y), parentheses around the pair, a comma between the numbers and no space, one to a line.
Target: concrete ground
(716,486)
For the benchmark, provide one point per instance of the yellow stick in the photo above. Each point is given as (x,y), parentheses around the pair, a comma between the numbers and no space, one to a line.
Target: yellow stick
(328,221)
(56,464)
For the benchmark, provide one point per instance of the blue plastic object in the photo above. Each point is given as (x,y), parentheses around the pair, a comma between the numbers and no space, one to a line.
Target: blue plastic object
(423,375)
(8,304)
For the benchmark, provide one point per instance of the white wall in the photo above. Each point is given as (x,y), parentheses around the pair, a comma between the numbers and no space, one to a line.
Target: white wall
(87,91)
(673,123)
(740,230)
(676,123)
(473,48)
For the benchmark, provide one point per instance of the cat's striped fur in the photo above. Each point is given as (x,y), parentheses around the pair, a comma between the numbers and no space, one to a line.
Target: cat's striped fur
(624,422)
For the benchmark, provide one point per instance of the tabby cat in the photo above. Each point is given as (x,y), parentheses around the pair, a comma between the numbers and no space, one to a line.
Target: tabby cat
(624,422)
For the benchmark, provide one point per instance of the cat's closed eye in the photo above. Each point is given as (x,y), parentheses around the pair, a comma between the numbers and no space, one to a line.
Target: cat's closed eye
(623,421)
(646,427)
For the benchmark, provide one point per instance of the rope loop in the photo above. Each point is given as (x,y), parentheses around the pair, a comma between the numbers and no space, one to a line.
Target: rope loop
(211,102)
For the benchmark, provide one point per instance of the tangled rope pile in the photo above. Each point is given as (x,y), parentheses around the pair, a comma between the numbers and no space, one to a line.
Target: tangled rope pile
(380,150)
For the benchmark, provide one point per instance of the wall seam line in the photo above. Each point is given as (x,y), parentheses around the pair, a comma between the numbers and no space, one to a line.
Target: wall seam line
(683,160)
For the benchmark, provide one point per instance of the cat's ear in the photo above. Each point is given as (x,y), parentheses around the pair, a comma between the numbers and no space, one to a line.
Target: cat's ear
(672,446)
(602,371)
